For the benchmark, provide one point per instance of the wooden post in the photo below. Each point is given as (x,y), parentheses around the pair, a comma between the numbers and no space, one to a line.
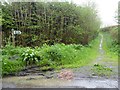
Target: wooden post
(13,37)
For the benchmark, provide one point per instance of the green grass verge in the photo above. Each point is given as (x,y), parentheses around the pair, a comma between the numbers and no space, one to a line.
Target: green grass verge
(108,47)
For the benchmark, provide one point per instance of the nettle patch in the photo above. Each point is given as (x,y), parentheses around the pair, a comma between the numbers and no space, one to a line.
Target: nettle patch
(101,70)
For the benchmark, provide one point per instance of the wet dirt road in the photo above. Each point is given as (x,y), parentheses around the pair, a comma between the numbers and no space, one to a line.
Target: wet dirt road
(40,82)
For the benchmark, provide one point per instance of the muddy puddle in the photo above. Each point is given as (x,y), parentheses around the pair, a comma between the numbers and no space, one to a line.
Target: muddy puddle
(40,82)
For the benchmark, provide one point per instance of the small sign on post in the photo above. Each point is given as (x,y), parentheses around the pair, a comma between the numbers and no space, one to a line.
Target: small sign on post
(13,35)
(17,32)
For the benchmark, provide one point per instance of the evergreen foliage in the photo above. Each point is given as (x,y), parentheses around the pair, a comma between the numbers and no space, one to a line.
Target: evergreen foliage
(50,23)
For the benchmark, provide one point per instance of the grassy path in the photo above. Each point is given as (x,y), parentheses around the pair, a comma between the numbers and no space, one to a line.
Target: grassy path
(102,67)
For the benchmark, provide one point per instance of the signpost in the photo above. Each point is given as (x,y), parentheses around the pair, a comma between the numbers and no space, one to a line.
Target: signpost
(13,35)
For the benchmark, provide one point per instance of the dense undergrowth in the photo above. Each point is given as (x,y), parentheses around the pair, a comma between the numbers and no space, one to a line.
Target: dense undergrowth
(110,43)
(49,22)
(55,56)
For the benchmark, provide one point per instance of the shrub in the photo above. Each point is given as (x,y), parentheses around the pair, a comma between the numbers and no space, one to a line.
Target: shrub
(77,46)
(114,34)
(54,54)
(51,55)
(11,67)
(12,50)
(31,56)
(11,60)
(102,70)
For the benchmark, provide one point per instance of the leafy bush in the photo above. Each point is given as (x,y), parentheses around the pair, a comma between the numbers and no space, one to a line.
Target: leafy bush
(102,70)
(51,55)
(11,67)
(111,40)
(11,59)
(114,34)
(54,54)
(31,56)
(77,46)
(12,50)
(72,55)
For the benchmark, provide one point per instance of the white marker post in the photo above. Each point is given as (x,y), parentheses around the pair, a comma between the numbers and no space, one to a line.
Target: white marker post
(13,35)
